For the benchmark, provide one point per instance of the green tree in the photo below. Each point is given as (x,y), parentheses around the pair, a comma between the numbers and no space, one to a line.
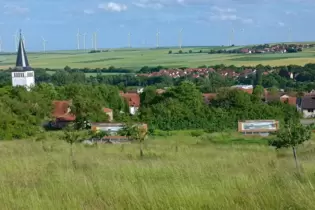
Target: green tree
(258,91)
(258,80)
(71,135)
(291,135)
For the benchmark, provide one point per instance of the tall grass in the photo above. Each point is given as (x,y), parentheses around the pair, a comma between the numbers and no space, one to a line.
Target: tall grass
(198,176)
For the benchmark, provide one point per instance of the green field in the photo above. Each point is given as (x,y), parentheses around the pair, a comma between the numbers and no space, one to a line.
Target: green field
(136,58)
(218,171)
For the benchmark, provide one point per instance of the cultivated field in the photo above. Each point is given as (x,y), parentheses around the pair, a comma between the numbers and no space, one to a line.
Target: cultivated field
(136,58)
(222,171)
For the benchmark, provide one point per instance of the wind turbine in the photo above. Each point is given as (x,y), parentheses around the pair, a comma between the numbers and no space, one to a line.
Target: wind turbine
(243,36)
(232,37)
(15,41)
(44,44)
(95,39)
(84,46)
(78,39)
(157,38)
(24,41)
(0,44)
(290,35)
(129,40)
(180,38)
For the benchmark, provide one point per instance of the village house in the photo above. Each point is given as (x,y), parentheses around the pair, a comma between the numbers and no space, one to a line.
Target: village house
(306,105)
(62,114)
(282,97)
(133,101)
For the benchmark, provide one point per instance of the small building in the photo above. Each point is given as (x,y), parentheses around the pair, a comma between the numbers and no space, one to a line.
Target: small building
(111,128)
(306,105)
(109,112)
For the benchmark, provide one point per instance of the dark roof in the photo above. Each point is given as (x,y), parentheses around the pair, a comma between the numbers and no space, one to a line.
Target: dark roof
(307,102)
(21,59)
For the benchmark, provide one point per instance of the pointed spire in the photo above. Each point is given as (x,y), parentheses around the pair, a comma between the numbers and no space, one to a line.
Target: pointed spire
(21,60)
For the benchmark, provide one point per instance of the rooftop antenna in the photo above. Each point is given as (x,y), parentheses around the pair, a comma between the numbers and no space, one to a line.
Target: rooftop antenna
(44,44)
(157,38)
(129,40)
(180,38)
(84,46)
(78,39)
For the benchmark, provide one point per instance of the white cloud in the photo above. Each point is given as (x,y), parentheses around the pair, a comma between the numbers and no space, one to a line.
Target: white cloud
(290,13)
(281,24)
(88,11)
(219,9)
(228,14)
(149,4)
(15,9)
(113,7)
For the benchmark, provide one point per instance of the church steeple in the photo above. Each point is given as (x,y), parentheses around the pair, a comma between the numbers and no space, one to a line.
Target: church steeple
(21,60)
(22,75)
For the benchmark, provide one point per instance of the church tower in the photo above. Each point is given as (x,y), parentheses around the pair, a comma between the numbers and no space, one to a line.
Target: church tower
(22,74)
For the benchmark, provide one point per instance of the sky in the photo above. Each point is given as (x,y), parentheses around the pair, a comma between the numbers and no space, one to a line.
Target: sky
(204,22)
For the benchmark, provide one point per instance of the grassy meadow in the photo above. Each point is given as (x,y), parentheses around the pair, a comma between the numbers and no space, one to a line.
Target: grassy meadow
(136,58)
(215,171)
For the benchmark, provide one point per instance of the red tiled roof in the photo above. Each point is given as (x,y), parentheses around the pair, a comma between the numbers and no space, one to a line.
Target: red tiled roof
(133,99)
(107,110)
(249,91)
(209,95)
(290,100)
(61,111)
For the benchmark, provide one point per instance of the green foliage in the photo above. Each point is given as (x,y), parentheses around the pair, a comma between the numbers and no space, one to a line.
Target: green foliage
(291,135)
(196,133)
(258,91)
(71,134)
(170,52)
(183,107)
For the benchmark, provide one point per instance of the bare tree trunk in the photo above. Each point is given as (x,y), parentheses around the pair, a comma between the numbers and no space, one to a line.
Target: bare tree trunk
(72,156)
(141,149)
(295,159)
